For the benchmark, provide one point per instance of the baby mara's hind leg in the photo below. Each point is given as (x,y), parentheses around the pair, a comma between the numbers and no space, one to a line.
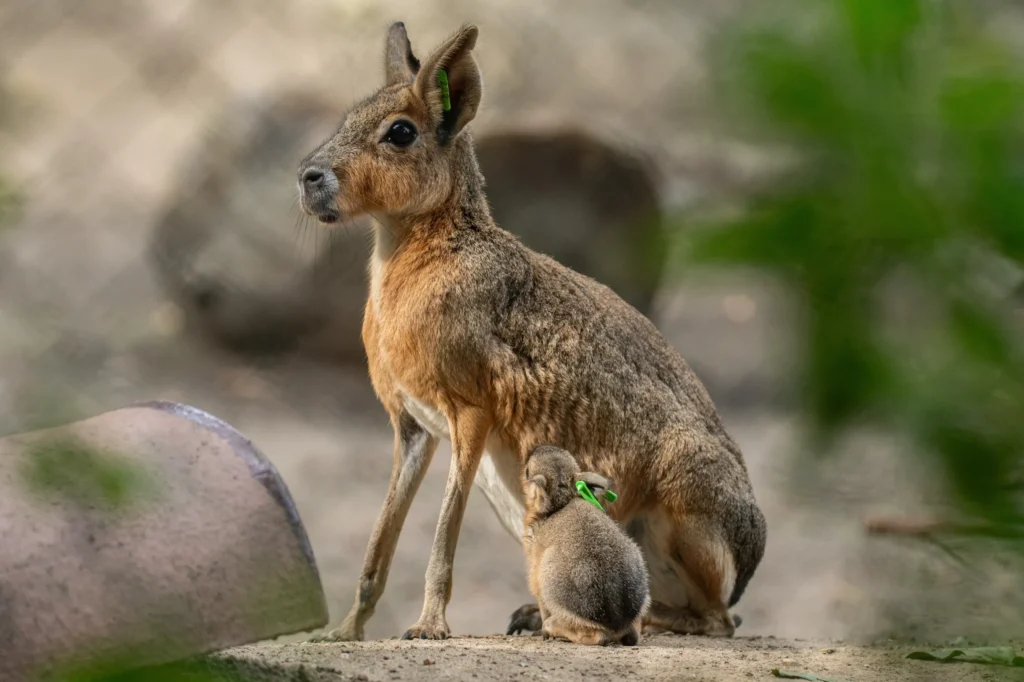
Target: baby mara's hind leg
(631,637)
(536,619)
(560,624)
(691,575)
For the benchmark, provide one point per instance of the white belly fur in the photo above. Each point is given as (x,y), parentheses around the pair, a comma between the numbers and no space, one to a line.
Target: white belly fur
(498,478)
(426,416)
(498,474)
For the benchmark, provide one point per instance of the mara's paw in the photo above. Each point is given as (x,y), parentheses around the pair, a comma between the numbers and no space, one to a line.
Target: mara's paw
(341,634)
(431,630)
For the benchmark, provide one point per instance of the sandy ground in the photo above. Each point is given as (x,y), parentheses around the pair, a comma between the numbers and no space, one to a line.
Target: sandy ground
(658,658)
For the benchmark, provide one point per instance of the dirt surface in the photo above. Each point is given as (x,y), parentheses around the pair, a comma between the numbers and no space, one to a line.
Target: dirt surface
(657,658)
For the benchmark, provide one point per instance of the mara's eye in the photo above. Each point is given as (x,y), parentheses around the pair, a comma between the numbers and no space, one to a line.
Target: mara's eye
(401,134)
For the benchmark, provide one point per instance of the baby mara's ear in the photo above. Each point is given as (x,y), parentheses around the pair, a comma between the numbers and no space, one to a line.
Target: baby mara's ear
(451,97)
(400,64)
(596,482)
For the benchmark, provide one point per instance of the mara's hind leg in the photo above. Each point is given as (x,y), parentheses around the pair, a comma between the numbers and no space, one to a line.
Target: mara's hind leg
(692,574)
(526,618)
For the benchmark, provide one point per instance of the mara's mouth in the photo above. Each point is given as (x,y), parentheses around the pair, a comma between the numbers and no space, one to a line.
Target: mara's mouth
(328,217)
(324,209)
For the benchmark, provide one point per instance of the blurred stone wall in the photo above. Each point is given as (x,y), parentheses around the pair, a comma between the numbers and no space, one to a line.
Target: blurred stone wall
(114,104)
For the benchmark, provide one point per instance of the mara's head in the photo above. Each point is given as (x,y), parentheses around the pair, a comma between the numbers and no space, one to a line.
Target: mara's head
(400,150)
(549,480)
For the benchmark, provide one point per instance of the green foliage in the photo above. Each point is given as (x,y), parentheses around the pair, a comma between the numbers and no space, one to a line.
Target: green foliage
(8,199)
(811,677)
(907,122)
(990,655)
(8,203)
(218,669)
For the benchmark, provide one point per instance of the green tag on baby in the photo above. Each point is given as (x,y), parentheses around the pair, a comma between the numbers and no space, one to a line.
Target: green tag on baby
(587,494)
(442,80)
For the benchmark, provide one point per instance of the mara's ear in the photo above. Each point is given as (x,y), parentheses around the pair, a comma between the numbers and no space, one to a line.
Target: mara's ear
(596,482)
(449,84)
(400,64)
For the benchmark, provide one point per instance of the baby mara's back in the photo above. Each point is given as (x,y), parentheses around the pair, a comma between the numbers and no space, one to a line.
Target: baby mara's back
(582,562)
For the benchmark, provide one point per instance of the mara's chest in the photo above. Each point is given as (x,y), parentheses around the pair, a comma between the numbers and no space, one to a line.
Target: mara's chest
(423,350)
(403,368)
(407,345)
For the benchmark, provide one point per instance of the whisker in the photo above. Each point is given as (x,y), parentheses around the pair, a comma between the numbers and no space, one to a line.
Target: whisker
(332,246)
(306,228)
(296,228)
(300,225)
(352,255)
(316,248)
(386,227)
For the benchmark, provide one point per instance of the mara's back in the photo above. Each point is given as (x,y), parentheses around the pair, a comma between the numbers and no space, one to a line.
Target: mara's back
(585,369)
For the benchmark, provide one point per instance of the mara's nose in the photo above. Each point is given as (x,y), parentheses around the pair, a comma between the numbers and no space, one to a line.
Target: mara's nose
(312,178)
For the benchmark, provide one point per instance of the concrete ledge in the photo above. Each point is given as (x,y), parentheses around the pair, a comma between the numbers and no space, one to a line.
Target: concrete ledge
(143,536)
(661,658)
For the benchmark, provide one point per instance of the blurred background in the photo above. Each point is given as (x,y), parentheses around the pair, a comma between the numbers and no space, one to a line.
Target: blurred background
(818,203)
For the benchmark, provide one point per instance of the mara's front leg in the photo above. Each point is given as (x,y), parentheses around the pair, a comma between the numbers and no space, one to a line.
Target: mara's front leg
(414,448)
(468,428)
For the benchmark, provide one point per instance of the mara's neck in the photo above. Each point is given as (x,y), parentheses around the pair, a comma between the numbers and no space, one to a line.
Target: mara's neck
(464,208)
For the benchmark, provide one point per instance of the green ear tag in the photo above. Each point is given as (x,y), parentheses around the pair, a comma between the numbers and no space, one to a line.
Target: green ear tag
(587,494)
(442,80)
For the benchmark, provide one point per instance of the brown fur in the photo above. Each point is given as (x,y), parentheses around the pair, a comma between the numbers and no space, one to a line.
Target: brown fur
(588,577)
(472,336)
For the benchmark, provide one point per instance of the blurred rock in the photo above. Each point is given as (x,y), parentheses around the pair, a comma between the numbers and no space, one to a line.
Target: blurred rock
(581,201)
(255,277)
(227,249)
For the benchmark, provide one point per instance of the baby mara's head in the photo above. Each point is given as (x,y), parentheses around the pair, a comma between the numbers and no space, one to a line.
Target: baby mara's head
(549,480)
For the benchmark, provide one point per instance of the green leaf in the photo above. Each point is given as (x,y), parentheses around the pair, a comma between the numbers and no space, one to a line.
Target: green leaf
(794,87)
(125,669)
(989,655)
(785,674)
(892,193)
(778,235)
(882,29)
(980,333)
